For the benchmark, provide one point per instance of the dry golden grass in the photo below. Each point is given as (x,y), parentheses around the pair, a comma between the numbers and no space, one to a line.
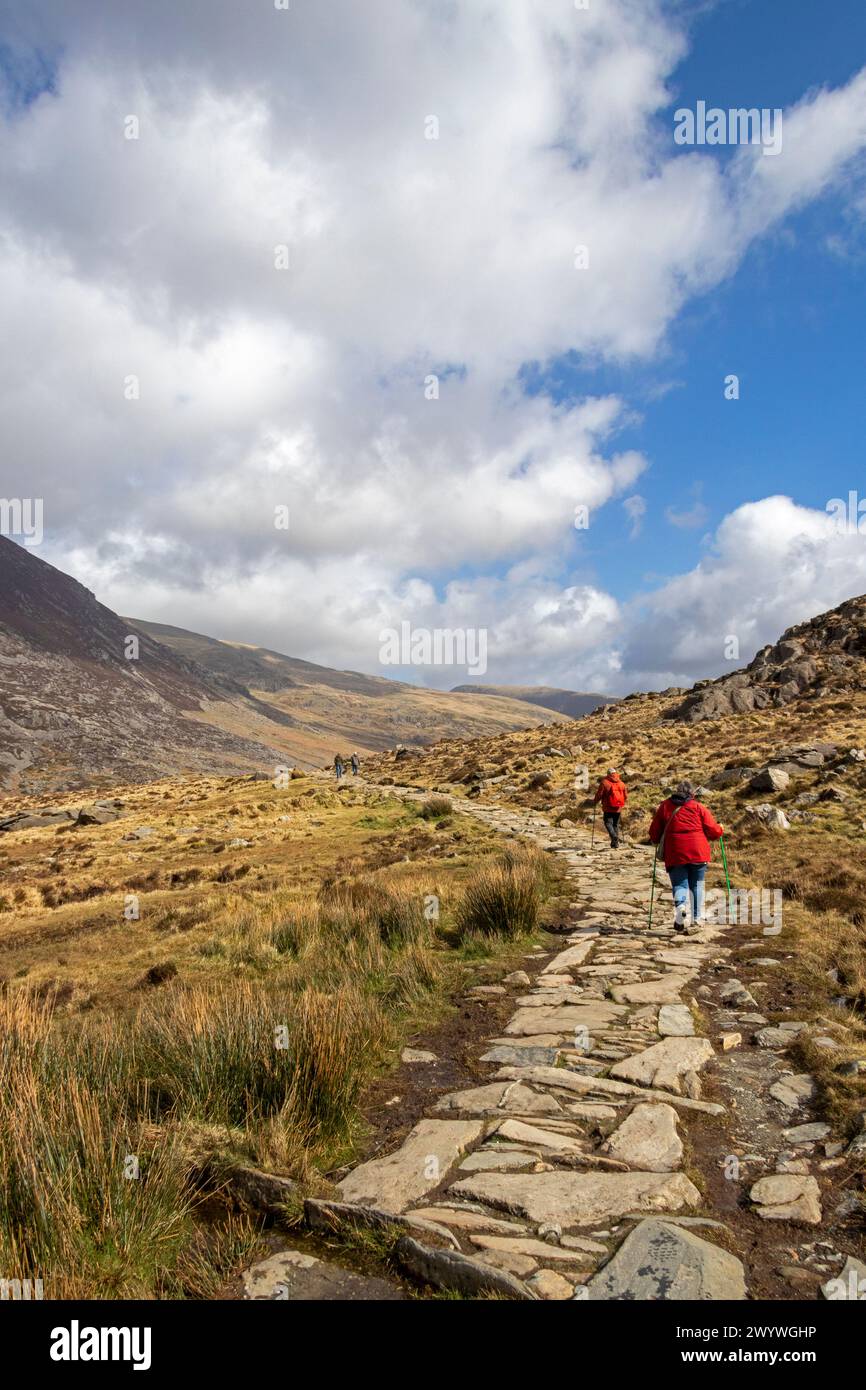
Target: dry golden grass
(291,985)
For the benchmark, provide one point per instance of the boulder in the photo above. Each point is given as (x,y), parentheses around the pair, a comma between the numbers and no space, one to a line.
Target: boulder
(770,779)
(771,816)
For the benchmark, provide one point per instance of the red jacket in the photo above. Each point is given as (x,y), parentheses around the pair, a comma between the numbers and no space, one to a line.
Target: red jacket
(687,840)
(605,793)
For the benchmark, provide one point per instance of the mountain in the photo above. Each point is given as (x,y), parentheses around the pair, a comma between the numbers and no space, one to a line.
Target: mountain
(80,706)
(331,709)
(572,703)
(824,655)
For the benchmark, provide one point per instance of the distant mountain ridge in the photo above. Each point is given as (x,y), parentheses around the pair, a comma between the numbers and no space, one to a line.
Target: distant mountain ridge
(79,708)
(572,703)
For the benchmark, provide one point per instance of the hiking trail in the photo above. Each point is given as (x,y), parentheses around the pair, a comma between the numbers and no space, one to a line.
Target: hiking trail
(640,1136)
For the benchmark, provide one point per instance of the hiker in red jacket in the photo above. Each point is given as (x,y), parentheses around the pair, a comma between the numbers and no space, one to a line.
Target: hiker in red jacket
(612,792)
(683,827)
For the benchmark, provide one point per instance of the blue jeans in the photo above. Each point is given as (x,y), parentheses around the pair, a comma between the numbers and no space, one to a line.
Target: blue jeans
(687,881)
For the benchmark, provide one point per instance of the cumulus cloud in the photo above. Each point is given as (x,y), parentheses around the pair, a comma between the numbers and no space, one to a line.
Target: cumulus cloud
(284,294)
(771,564)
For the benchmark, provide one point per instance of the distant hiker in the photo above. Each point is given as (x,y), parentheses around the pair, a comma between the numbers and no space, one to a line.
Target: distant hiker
(356,766)
(683,827)
(338,766)
(612,792)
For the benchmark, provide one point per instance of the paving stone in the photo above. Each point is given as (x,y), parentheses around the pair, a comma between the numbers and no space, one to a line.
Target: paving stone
(522,1056)
(794,1091)
(806,1134)
(663,1065)
(565,1019)
(426,1157)
(521,1133)
(551,1286)
(537,1249)
(501,1160)
(579,1199)
(788,1197)
(496,1097)
(664,991)
(664,1263)
(412,1054)
(467,1220)
(561,1078)
(675,1020)
(573,955)
(647,1139)
(509,1260)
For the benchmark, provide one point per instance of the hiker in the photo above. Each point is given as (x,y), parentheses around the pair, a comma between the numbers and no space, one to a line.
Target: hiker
(338,766)
(612,792)
(682,827)
(356,766)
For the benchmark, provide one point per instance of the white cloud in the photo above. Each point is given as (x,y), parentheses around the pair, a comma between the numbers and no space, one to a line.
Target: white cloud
(408,257)
(771,564)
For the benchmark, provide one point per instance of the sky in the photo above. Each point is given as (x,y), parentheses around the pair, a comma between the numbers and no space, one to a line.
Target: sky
(325,320)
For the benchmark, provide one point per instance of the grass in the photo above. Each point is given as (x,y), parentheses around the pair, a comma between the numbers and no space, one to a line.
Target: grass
(504,899)
(277,1000)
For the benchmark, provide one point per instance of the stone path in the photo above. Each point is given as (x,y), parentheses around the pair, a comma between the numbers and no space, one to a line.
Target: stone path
(571,1173)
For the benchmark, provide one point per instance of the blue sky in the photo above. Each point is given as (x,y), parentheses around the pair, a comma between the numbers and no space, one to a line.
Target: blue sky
(789,323)
(166,386)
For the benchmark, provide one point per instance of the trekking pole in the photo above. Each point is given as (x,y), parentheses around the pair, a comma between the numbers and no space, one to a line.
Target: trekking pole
(727,877)
(652,890)
(592,839)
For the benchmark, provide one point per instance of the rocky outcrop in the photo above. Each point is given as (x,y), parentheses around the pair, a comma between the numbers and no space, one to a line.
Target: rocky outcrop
(826,653)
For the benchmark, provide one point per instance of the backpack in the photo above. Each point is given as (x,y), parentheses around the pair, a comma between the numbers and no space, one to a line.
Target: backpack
(616,795)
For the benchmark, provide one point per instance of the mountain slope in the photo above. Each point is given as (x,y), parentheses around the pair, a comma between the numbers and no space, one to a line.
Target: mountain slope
(337,709)
(77,708)
(572,703)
